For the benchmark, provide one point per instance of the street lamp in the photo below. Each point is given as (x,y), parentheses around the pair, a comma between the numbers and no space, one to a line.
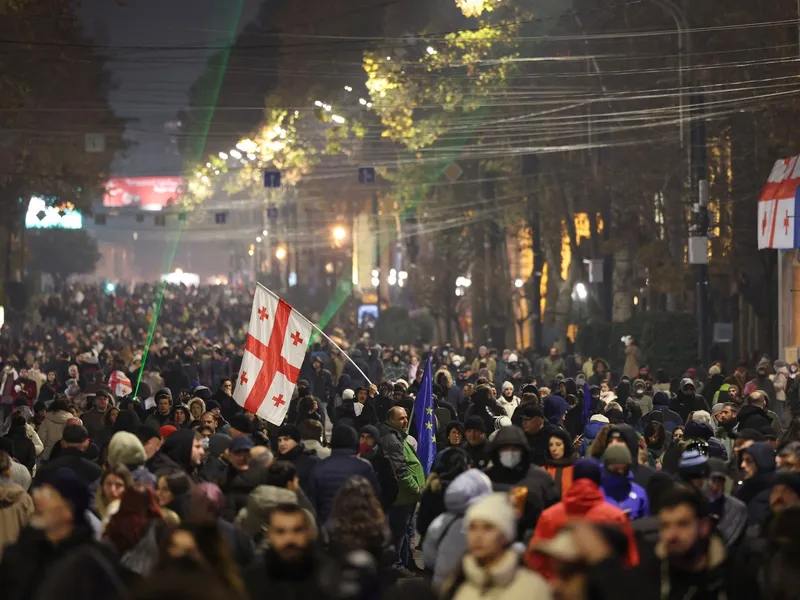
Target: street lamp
(339,233)
(581,293)
(280,253)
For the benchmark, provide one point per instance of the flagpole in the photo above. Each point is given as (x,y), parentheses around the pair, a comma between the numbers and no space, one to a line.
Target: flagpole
(335,345)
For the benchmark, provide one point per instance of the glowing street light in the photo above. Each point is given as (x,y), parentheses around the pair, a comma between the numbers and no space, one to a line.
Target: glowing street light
(258,239)
(337,119)
(223,156)
(339,233)
(432,51)
(519,283)
(280,253)
(580,291)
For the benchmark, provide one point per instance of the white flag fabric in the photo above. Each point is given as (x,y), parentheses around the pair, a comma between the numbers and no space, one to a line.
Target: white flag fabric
(120,384)
(277,338)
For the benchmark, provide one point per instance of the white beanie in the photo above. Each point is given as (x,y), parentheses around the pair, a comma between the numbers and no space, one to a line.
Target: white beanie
(348,395)
(507,385)
(512,358)
(495,509)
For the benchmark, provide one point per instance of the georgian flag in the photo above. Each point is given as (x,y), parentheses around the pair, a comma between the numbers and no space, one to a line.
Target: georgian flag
(778,206)
(120,384)
(277,339)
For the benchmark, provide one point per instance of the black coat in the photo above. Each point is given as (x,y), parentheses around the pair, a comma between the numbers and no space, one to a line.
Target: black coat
(385,475)
(328,476)
(24,450)
(684,404)
(304,461)
(71,458)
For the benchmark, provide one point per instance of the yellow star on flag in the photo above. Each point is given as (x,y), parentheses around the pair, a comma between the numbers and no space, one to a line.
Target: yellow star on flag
(428,425)
(429,411)
(433,437)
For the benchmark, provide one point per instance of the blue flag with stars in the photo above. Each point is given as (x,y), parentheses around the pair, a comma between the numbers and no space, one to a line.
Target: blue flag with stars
(425,420)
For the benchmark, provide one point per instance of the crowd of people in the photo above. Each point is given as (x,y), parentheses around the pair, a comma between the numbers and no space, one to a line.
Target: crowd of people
(128,470)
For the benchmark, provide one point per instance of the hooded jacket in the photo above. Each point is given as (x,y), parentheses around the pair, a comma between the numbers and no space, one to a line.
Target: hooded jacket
(683,404)
(592,430)
(445,541)
(178,447)
(621,491)
(16,509)
(641,473)
(753,417)
(542,490)
(561,469)
(754,492)
(662,412)
(52,429)
(329,475)
(583,501)
(305,461)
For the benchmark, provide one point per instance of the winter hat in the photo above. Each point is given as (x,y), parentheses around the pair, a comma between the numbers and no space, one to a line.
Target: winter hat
(698,430)
(530,389)
(529,411)
(693,465)
(253,517)
(202,392)
(125,449)
(714,370)
(507,385)
(496,509)
(476,423)
(163,393)
(241,423)
(587,468)
(789,479)
(72,489)
(344,437)
(402,382)
(290,431)
(598,418)
(615,415)
(512,358)
(617,455)
(717,408)
(467,489)
(167,430)
(371,431)
(661,398)
(212,404)
(348,395)
(243,443)
(218,443)
(74,434)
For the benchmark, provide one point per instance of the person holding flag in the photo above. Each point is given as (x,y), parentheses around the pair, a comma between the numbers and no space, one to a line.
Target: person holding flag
(423,417)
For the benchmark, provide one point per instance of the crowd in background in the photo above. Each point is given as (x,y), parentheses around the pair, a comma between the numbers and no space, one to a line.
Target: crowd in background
(128,470)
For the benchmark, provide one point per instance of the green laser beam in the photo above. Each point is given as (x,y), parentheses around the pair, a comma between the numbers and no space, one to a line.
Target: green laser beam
(211,102)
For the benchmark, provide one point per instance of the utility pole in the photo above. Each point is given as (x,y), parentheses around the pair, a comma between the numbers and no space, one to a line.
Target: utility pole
(530,166)
(698,231)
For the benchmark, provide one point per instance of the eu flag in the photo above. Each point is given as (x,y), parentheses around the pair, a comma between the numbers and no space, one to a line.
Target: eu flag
(425,420)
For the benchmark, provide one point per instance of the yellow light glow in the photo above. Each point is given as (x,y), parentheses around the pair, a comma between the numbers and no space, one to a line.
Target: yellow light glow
(179,271)
(339,233)
(280,253)
(471,8)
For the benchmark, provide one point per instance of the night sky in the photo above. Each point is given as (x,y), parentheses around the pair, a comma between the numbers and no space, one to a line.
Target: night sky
(153,85)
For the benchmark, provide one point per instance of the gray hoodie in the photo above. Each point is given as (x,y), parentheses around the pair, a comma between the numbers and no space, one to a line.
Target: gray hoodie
(444,544)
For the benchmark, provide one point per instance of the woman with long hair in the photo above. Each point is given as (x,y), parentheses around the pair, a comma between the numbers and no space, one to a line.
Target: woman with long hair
(357,522)
(174,491)
(113,484)
(50,388)
(103,436)
(200,543)
(655,436)
(135,529)
(559,458)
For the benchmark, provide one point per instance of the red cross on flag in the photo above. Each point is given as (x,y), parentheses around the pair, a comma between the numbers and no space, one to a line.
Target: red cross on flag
(777,206)
(120,384)
(277,338)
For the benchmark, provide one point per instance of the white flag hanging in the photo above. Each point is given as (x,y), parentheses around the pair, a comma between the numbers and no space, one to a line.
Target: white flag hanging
(277,338)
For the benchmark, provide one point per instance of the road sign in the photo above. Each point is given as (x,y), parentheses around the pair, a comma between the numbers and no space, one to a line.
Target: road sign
(453,171)
(94,142)
(272,179)
(366,175)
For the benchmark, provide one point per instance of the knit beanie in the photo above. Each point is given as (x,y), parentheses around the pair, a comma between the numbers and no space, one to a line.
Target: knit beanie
(125,449)
(617,455)
(693,465)
(344,437)
(496,509)
(290,431)
(371,431)
(587,468)
(476,423)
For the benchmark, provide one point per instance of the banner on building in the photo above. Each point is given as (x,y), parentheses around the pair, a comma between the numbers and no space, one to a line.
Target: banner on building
(777,207)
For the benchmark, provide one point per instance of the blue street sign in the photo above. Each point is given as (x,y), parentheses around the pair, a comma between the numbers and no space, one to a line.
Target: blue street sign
(221,218)
(366,174)
(272,212)
(272,179)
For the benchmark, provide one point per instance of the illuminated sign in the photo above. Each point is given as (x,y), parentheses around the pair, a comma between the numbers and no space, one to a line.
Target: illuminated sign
(42,216)
(146,193)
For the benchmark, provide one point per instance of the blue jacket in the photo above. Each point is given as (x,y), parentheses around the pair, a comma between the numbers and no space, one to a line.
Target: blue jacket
(622,492)
(329,475)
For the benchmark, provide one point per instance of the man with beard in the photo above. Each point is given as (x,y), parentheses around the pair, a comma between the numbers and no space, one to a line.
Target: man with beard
(726,420)
(758,474)
(294,567)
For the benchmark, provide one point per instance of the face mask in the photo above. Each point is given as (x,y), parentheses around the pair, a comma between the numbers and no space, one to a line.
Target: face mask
(510,458)
(364,448)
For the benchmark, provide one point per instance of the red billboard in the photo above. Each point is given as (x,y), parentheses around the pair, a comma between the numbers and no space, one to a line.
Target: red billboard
(147,193)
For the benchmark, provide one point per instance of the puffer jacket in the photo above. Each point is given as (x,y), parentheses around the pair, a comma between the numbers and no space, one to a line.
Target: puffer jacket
(445,542)
(583,501)
(625,494)
(52,429)
(330,474)
(16,509)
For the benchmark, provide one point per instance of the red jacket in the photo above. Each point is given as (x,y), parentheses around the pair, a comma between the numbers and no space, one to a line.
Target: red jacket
(585,501)
(26,387)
